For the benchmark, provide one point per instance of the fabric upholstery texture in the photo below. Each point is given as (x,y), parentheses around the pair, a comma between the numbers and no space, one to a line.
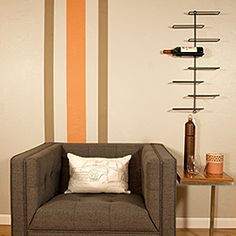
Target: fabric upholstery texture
(18,191)
(151,183)
(94,212)
(39,209)
(88,233)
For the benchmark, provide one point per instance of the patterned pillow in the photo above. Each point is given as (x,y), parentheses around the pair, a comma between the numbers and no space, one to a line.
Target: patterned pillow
(98,175)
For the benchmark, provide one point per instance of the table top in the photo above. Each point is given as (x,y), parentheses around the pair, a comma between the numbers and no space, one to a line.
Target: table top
(202,178)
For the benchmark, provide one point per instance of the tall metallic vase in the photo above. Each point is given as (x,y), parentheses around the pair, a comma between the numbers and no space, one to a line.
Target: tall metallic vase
(189,144)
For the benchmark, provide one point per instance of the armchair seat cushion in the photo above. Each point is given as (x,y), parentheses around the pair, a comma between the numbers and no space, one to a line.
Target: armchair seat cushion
(96,212)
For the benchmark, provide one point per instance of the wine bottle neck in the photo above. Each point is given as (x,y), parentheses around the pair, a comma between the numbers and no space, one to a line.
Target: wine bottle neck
(168,51)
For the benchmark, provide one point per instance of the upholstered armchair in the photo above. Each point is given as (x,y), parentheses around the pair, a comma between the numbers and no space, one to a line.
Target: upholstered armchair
(39,206)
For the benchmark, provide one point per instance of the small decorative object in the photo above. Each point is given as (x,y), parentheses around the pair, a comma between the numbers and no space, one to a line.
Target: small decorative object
(185,51)
(214,163)
(192,165)
(189,144)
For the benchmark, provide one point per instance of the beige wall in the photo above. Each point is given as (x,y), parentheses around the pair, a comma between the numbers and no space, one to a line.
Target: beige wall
(140,94)
(21,83)
(139,91)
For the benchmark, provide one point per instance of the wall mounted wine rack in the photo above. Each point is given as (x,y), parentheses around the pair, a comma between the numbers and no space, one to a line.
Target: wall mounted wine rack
(195,68)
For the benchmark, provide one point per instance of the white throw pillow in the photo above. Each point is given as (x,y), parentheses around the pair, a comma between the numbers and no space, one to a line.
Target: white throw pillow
(98,175)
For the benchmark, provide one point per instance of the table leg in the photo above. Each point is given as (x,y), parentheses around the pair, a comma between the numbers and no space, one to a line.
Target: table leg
(212,213)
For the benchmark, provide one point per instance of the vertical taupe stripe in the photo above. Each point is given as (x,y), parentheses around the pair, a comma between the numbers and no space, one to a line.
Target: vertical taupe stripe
(48,71)
(102,71)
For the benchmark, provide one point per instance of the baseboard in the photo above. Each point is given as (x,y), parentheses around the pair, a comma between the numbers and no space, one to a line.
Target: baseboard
(180,222)
(223,223)
(5,219)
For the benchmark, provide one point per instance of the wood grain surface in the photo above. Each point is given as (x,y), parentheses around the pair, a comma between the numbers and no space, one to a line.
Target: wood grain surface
(202,178)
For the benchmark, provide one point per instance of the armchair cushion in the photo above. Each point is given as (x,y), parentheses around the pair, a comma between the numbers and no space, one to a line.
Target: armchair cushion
(98,175)
(95,212)
(104,150)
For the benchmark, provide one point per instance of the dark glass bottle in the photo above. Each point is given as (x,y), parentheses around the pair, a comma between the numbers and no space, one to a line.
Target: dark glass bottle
(185,51)
(189,143)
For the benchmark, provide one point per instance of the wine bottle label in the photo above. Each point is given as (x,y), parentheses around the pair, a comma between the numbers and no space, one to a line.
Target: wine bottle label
(188,49)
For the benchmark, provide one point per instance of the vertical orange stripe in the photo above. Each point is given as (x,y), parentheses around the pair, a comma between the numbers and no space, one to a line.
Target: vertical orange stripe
(76,100)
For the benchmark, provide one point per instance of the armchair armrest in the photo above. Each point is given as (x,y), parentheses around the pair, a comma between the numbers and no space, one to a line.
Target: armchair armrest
(159,186)
(35,178)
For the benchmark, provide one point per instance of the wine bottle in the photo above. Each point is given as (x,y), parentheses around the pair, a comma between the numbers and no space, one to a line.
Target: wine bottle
(185,51)
(189,142)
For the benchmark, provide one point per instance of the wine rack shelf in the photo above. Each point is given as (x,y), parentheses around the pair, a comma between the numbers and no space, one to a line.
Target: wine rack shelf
(204,40)
(204,95)
(203,12)
(187,26)
(194,82)
(187,109)
(187,82)
(204,68)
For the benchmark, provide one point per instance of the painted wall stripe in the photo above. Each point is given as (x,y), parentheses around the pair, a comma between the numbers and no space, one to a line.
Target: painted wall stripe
(91,71)
(60,107)
(103,71)
(48,71)
(76,97)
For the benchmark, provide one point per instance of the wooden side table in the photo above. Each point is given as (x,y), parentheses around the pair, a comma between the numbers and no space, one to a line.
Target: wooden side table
(184,178)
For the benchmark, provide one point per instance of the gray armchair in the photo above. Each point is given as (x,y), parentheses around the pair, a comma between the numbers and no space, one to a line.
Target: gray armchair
(40,176)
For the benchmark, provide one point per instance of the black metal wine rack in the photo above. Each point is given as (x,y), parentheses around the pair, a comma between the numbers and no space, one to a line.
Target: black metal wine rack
(195,68)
